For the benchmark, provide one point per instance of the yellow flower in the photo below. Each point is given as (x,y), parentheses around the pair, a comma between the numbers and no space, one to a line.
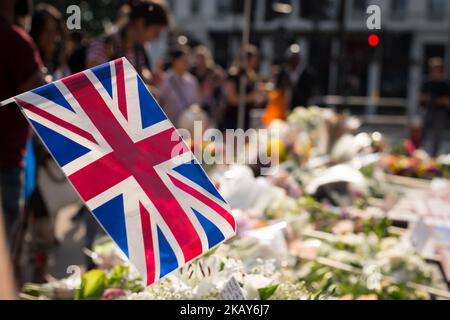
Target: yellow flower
(278,149)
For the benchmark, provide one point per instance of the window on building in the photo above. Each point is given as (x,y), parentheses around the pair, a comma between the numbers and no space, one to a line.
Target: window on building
(436,9)
(359,8)
(395,68)
(224,7)
(332,11)
(399,9)
(318,9)
(195,6)
(221,45)
(353,72)
(238,6)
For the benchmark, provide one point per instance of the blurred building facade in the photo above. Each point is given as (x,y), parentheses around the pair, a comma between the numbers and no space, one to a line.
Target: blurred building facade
(333,37)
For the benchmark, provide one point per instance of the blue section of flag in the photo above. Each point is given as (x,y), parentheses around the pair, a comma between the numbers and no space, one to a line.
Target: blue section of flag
(167,256)
(63,149)
(194,172)
(112,216)
(213,233)
(52,93)
(103,73)
(30,170)
(151,113)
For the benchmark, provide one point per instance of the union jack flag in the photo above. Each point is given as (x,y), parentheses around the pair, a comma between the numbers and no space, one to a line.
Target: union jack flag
(130,166)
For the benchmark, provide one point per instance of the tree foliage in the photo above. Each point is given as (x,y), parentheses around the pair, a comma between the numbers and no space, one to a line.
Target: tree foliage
(95,15)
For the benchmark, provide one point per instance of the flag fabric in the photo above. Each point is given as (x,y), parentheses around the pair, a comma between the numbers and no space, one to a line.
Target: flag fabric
(130,166)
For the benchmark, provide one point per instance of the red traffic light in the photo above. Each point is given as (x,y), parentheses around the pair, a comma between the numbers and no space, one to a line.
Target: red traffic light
(373,40)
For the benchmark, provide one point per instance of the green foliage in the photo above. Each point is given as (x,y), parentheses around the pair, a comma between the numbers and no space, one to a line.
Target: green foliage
(93,283)
(267,292)
(323,218)
(368,170)
(94,14)
(32,291)
(327,281)
(119,277)
(399,150)
(378,226)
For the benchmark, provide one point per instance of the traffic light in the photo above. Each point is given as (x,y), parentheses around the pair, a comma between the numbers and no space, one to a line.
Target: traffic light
(374,45)
(373,40)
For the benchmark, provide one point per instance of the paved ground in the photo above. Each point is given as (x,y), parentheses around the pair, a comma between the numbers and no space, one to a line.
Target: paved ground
(72,241)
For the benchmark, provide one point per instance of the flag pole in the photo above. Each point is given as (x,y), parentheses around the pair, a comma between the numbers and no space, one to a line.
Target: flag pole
(244,61)
(7,101)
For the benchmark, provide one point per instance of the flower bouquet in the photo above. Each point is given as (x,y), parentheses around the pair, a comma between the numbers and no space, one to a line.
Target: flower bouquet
(409,162)
(367,267)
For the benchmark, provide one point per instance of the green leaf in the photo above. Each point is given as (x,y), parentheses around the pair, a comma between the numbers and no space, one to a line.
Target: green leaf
(210,252)
(117,276)
(267,292)
(316,295)
(93,283)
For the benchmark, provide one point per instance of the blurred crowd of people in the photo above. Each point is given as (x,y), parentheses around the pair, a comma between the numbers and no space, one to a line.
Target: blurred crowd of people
(188,81)
(39,49)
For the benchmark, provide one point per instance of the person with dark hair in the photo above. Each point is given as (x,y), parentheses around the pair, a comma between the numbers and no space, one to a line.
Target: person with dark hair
(435,99)
(20,70)
(254,94)
(297,82)
(139,23)
(76,48)
(47,32)
(142,22)
(179,89)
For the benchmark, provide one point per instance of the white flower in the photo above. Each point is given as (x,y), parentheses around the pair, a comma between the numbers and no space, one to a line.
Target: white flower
(203,289)
(252,283)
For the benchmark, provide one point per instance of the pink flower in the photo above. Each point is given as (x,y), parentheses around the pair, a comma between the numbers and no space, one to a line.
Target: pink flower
(409,147)
(112,293)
